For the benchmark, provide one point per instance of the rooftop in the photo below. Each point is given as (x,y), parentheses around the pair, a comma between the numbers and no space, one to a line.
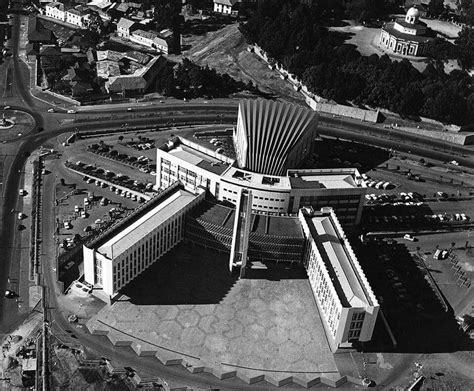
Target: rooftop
(107,68)
(407,37)
(111,55)
(199,159)
(414,26)
(223,216)
(338,261)
(125,23)
(200,156)
(137,229)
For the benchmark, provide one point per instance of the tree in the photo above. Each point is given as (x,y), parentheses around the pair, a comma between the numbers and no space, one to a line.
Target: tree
(436,8)
(120,138)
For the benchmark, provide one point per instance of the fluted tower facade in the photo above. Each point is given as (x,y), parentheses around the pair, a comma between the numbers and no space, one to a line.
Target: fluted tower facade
(272,137)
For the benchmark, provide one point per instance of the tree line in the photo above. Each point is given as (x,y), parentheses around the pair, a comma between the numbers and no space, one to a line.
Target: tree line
(295,35)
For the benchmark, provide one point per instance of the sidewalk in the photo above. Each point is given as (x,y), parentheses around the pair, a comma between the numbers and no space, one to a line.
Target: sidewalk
(24,282)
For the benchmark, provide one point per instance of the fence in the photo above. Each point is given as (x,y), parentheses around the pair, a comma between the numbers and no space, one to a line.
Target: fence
(316,102)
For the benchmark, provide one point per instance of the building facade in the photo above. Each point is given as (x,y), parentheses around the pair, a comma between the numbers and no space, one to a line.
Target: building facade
(126,250)
(345,300)
(56,11)
(152,40)
(124,27)
(226,7)
(196,166)
(408,36)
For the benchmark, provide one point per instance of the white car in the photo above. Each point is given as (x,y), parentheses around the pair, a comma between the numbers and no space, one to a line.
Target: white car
(51,110)
(409,237)
(71,111)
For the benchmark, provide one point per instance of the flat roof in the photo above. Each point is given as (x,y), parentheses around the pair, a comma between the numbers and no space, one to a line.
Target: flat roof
(205,158)
(199,159)
(330,181)
(131,234)
(332,249)
(276,226)
(407,37)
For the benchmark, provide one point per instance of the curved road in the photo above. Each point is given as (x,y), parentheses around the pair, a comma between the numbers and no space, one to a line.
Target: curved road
(179,114)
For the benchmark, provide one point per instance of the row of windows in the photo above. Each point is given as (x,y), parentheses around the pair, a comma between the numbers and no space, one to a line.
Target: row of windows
(358,316)
(147,251)
(268,207)
(353,334)
(321,289)
(355,325)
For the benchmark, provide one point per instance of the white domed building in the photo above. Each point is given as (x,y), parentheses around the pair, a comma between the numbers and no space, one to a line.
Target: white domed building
(406,36)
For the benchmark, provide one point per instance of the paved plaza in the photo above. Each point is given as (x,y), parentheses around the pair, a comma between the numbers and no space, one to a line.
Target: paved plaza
(252,328)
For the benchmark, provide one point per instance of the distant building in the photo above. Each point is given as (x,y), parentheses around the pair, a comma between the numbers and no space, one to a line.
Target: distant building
(160,42)
(125,27)
(73,15)
(408,36)
(226,7)
(138,81)
(56,11)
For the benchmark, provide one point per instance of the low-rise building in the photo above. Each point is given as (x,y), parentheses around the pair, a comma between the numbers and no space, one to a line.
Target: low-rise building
(160,42)
(56,11)
(75,17)
(125,27)
(406,36)
(226,7)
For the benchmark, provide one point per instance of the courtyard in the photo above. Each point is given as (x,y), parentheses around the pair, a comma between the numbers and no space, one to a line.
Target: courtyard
(192,311)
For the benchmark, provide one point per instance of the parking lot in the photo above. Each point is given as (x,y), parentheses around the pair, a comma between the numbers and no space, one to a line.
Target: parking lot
(416,313)
(411,211)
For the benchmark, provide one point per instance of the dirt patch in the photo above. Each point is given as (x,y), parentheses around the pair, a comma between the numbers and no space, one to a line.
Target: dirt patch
(225,50)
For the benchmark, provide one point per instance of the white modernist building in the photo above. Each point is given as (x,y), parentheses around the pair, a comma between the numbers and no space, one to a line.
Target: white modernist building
(197,166)
(291,232)
(344,297)
(127,249)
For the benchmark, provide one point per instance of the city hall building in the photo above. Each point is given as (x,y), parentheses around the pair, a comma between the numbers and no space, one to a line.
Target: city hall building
(211,200)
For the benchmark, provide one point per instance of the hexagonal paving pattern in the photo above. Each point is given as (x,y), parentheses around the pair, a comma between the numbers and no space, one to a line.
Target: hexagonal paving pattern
(259,324)
(188,318)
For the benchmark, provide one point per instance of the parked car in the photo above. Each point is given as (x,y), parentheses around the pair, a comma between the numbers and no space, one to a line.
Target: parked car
(409,237)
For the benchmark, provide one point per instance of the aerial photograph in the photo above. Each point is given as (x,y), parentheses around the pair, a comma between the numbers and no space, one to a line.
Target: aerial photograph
(236,195)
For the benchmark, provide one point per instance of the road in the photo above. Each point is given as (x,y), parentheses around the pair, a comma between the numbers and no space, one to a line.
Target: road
(179,114)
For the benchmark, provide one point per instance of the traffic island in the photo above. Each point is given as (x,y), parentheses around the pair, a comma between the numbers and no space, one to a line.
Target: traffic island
(15,123)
